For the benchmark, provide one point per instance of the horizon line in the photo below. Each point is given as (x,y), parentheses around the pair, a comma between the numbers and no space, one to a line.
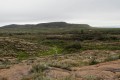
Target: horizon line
(35,23)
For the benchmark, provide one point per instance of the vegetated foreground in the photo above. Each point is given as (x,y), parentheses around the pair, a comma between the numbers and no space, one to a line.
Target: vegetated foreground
(59,51)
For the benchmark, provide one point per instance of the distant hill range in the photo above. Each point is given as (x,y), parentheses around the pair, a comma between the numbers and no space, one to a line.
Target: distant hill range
(48,25)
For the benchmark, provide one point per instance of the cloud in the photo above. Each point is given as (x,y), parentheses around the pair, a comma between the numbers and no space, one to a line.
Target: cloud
(93,12)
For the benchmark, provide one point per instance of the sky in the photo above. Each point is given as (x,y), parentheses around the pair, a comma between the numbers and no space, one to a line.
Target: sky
(98,13)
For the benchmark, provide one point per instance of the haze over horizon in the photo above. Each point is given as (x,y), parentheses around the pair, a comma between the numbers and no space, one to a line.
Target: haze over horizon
(97,13)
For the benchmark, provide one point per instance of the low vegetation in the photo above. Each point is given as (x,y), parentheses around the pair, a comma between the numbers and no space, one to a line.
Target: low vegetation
(59,46)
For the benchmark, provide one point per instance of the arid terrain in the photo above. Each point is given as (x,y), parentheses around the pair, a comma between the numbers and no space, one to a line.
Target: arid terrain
(59,51)
(67,67)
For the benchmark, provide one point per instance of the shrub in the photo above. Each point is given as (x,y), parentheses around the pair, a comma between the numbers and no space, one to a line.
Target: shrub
(38,68)
(112,57)
(22,55)
(93,61)
(52,51)
(59,43)
(37,72)
(72,47)
(4,64)
(60,65)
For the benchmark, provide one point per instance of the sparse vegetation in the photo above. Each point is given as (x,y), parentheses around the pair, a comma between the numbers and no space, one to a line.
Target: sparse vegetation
(38,68)
(112,57)
(58,47)
(91,77)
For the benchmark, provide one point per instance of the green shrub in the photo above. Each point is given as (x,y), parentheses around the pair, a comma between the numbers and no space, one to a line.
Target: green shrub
(22,55)
(52,51)
(59,43)
(72,47)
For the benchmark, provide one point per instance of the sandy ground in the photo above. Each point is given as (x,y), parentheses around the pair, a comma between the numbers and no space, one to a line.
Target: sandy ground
(105,71)
(15,72)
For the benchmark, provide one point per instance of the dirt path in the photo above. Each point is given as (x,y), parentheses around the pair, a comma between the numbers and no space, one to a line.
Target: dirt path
(15,72)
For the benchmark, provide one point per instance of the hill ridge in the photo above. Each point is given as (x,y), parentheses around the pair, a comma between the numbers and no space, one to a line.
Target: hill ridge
(49,24)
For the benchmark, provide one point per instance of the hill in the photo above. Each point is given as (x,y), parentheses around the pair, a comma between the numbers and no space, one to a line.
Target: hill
(49,25)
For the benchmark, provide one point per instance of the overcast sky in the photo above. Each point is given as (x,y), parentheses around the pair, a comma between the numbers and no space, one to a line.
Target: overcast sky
(92,12)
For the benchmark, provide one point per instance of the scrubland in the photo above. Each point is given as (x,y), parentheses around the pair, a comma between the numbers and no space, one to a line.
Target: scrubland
(59,53)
